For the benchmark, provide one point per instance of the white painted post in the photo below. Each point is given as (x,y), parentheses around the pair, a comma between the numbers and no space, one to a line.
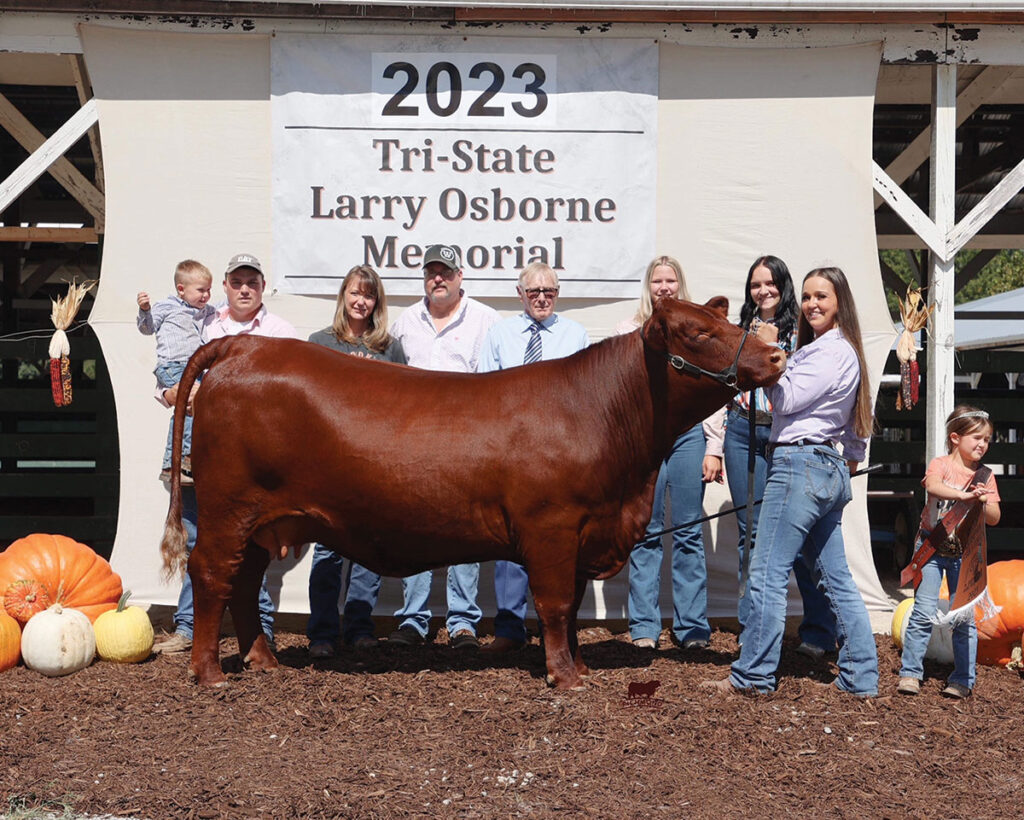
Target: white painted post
(939,388)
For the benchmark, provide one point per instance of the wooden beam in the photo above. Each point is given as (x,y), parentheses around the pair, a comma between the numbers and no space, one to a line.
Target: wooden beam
(84,88)
(40,276)
(970,99)
(942,205)
(994,241)
(892,280)
(555,14)
(1009,186)
(17,234)
(917,265)
(48,155)
(907,210)
(973,268)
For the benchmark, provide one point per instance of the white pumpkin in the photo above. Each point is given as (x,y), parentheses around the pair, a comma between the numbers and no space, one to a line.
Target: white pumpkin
(940,644)
(58,641)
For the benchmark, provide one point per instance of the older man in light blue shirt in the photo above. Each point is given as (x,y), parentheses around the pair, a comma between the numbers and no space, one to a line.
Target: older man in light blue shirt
(537,334)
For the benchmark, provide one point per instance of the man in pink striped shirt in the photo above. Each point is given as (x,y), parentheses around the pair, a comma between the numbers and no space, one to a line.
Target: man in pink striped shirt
(244,313)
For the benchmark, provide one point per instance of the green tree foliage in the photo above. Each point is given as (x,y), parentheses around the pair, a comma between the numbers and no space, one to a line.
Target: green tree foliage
(1003,272)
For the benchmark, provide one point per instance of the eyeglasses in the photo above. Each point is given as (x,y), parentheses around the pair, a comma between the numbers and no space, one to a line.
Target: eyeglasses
(447,274)
(536,293)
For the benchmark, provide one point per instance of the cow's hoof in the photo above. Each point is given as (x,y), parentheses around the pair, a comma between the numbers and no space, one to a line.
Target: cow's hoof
(261,662)
(575,685)
(208,680)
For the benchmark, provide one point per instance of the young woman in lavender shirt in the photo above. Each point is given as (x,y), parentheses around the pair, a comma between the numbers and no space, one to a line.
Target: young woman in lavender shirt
(822,402)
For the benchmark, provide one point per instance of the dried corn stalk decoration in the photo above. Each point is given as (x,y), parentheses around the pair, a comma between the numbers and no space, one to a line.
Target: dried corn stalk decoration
(915,317)
(62,315)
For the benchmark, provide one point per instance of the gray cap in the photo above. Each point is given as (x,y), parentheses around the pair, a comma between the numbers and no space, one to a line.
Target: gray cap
(445,254)
(243,260)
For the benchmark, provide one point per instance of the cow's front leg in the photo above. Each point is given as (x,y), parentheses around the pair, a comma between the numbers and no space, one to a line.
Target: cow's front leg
(211,587)
(554,596)
(245,609)
(574,641)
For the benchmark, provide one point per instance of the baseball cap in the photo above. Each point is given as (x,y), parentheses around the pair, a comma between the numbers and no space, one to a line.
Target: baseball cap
(445,254)
(243,260)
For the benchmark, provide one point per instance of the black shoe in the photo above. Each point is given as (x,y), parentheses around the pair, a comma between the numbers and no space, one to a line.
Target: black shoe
(405,636)
(464,639)
(696,643)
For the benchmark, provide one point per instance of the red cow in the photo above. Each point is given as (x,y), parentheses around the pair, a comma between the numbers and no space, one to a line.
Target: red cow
(552,465)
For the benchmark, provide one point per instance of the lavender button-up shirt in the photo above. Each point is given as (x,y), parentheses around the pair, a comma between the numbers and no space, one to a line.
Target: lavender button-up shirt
(815,397)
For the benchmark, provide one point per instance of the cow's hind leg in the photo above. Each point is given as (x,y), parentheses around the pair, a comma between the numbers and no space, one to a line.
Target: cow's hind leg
(245,611)
(211,587)
(554,596)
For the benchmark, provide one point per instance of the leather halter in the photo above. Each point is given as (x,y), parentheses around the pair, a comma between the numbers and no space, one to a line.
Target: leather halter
(727,377)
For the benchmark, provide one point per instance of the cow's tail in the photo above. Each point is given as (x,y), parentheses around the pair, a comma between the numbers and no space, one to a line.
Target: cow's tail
(174,546)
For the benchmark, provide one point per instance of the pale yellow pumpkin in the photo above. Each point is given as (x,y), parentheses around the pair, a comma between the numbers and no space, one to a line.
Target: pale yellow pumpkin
(125,634)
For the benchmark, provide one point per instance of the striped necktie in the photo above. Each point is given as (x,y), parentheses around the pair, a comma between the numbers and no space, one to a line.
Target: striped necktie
(533,346)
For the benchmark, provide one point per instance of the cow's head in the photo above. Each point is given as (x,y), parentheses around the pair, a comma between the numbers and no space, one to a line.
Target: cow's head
(700,343)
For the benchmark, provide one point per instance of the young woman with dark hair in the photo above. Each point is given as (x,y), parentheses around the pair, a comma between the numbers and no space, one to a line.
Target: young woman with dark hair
(769,299)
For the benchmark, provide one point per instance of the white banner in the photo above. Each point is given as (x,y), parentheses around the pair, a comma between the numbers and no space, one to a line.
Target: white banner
(512,150)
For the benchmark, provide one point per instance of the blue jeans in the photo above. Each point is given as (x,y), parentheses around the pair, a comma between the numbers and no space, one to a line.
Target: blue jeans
(511,585)
(184,614)
(463,611)
(807,488)
(919,625)
(680,478)
(363,587)
(167,375)
(819,625)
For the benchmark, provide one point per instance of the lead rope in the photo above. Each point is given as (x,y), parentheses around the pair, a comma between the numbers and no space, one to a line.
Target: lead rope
(863,471)
(751,469)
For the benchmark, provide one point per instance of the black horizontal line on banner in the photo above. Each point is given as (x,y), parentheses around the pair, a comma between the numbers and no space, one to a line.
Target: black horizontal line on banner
(473,279)
(486,130)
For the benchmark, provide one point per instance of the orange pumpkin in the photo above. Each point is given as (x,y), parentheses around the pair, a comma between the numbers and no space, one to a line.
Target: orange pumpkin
(10,642)
(997,636)
(40,570)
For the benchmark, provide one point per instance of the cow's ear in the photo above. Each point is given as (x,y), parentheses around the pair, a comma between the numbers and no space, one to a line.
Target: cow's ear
(655,331)
(719,304)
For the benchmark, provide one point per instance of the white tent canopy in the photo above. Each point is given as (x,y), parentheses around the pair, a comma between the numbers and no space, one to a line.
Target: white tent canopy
(756,151)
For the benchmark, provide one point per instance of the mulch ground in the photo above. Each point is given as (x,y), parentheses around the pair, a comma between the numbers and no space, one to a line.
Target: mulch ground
(439,733)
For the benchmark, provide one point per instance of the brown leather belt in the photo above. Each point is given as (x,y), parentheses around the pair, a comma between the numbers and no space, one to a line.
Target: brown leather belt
(760,416)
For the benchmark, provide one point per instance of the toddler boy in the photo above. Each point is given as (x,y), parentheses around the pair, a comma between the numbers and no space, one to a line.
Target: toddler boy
(178,323)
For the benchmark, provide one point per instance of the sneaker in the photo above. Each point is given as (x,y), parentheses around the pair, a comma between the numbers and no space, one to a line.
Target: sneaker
(718,687)
(696,643)
(321,649)
(809,650)
(177,642)
(464,639)
(405,636)
(956,690)
(186,476)
(909,686)
(645,643)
